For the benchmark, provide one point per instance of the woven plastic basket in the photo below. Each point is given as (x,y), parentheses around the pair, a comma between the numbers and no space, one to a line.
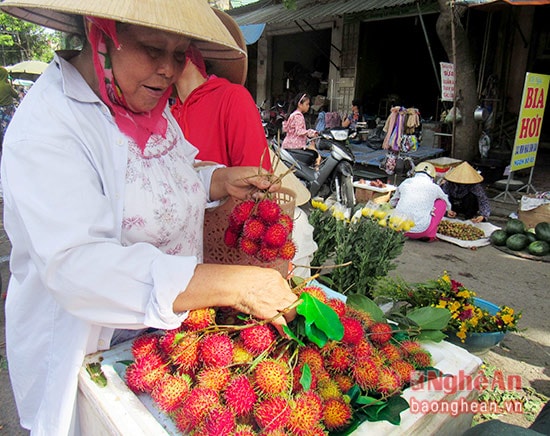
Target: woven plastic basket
(215,223)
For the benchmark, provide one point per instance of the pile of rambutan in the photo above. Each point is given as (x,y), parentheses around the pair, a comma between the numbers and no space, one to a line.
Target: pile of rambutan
(261,229)
(224,374)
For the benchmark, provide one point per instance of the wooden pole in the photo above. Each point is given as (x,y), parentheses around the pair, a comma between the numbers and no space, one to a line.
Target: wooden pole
(453,43)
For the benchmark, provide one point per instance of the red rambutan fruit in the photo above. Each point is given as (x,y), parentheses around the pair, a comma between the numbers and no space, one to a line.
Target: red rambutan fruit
(327,388)
(170,391)
(220,421)
(409,347)
(339,359)
(267,254)
(353,331)
(144,345)
(362,316)
(344,382)
(317,292)
(216,377)
(287,251)
(404,369)
(272,377)
(275,235)
(240,213)
(198,403)
(143,374)
(388,381)
(272,414)
(390,352)
(380,332)
(231,237)
(258,338)
(366,374)
(336,414)
(245,430)
(240,395)
(312,356)
(287,221)
(307,411)
(240,353)
(338,306)
(363,349)
(269,210)
(198,319)
(254,229)
(181,349)
(216,350)
(248,246)
(420,359)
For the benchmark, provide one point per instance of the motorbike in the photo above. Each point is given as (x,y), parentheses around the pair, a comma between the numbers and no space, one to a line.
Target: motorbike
(334,175)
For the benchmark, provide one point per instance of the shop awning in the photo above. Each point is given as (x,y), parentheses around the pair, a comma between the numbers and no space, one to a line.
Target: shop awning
(266,11)
(492,4)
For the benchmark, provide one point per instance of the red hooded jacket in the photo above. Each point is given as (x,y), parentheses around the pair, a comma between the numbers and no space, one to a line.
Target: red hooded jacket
(221,119)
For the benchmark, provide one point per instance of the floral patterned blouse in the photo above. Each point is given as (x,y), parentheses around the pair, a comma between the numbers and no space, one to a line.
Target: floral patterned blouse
(165,199)
(296,132)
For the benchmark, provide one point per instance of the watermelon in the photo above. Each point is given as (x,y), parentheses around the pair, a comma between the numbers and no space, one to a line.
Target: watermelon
(498,237)
(538,248)
(517,242)
(542,230)
(530,236)
(514,226)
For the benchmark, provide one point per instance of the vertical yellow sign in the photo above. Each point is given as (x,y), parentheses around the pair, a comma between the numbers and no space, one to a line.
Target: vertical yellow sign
(527,138)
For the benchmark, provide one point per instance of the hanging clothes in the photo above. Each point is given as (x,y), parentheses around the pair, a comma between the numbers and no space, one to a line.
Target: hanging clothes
(394,128)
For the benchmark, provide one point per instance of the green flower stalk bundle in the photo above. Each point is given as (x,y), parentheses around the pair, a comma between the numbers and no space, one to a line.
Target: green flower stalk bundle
(361,246)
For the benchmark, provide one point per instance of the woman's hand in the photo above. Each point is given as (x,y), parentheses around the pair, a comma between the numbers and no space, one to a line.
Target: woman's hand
(260,292)
(242,183)
(451,214)
(477,219)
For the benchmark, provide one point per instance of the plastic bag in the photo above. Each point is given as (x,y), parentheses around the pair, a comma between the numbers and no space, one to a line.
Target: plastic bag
(450,115)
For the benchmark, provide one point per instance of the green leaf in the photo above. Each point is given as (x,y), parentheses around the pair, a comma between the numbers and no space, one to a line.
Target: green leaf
(368,401)
(125,362)
(305,378)
(292,336)
(316,335)
(392,413)
(319,317)
(96,374)
(430,318)
(431,335)
(361,302)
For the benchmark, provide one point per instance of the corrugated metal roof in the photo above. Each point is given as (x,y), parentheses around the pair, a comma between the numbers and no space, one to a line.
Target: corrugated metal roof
(267,12)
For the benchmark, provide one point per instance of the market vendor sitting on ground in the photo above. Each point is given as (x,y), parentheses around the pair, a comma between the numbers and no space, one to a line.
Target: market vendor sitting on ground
(420,199)
(351,120)
(104,201)
(467,195)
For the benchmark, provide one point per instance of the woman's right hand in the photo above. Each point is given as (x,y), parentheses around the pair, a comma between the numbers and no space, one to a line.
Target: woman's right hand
(260,292)
(451,214)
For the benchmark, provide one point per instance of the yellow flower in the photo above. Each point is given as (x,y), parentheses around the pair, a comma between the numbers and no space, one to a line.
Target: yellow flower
(382,223)
(461,335)
(442,304)
(378,214)
(445,277)
(455,306)
(339,215)
(464,294)
(366,211)
(507,319)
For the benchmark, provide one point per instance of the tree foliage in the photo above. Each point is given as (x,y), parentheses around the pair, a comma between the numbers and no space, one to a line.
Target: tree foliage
(20,41)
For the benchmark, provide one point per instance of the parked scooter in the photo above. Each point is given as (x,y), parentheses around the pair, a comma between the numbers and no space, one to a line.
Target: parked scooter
(335,172)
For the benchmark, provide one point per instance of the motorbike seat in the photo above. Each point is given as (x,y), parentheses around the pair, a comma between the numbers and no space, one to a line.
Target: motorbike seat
(305,155)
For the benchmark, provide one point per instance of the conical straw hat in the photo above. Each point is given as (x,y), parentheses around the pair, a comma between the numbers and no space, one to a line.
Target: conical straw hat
(233,70)
(192,18)
(464,174)
(289,180)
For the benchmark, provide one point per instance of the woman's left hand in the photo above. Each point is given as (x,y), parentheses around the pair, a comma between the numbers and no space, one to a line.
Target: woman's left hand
(242,183)
(477,219)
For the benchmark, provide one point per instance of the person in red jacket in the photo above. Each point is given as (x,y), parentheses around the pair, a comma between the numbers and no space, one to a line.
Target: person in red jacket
(212,111)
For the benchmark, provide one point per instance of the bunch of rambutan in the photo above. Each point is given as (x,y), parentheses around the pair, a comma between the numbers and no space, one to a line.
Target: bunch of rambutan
(244,379)
(261,229)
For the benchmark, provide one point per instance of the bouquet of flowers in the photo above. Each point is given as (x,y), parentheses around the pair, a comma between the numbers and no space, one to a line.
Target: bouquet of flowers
(444,292)
(363,245)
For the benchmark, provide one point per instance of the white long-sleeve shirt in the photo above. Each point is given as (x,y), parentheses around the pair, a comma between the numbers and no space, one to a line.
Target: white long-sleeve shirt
(63,172)
(415,198)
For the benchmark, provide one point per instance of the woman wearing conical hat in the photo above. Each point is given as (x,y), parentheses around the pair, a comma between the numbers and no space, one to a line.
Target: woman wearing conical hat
(104,200)
(466,193)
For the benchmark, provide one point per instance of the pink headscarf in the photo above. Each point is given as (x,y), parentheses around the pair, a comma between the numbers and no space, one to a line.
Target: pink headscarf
(138,126)
(194,56)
